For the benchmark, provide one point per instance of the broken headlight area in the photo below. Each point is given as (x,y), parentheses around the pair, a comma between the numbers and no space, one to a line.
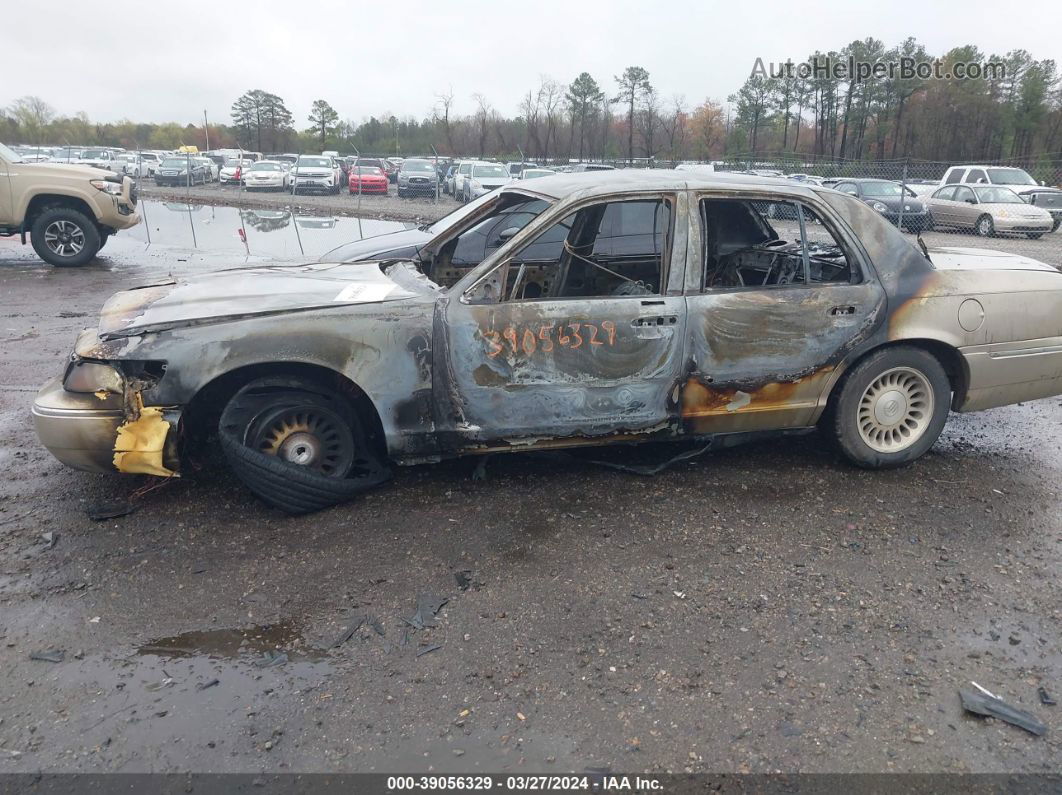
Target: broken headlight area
(93,377)
(114,383)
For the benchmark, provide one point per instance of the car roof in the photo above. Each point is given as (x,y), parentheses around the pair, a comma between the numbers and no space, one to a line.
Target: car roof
(562,184)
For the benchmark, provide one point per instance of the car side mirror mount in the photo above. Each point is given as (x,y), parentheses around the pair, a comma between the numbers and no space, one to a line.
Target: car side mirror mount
(487,290)
(970,201)
(505,235)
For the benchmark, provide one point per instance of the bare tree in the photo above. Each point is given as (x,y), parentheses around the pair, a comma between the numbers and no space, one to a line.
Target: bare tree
(551,100)
(441,115)
(32,114)
(675,126)
(483,111)
(531,107)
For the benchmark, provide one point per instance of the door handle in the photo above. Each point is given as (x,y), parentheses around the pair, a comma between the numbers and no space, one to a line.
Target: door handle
(654,320)
(840,311)
(652,303)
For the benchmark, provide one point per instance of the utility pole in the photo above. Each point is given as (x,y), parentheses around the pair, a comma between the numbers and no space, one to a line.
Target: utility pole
(206,130)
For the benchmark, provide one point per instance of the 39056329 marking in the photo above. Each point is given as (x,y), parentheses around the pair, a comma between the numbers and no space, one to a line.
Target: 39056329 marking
(547,337)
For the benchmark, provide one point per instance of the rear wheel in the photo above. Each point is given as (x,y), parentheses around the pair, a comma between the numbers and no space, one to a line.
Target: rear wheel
(890,408)
(64,237)
(298,446)
(984,226)
(1034,235)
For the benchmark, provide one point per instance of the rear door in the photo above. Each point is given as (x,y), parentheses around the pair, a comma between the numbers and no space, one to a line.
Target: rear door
(964,208)
(767,324)
(575,336)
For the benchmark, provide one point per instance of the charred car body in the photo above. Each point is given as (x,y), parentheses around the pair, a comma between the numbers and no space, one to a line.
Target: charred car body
(630,306)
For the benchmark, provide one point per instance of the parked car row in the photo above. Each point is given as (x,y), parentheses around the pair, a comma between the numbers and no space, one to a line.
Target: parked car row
(987,200)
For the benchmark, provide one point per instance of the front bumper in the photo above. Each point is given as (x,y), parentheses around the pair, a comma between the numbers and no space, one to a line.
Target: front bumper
(1023,224)
(482,190)
(418,187)
(84,436)
(911,220)
(320,183)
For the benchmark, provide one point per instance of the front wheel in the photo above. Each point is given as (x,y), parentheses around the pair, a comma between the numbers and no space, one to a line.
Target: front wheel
(985,227)
(890,408)
(297,445)
(64,238)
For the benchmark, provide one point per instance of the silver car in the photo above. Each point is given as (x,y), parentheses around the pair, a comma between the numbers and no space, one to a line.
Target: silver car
(417,177)
(483,178)
(988,210)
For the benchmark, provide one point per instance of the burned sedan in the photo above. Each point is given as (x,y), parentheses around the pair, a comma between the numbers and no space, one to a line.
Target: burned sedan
(633,306)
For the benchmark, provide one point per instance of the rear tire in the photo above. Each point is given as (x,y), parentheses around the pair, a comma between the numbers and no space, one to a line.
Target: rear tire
(64,238)
(890,408)
(1034,235)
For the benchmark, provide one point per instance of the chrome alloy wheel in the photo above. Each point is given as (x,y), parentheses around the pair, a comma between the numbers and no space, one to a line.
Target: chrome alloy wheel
(64,238)
(895,410)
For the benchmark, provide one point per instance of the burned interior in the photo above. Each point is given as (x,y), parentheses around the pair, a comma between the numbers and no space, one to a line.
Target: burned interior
(743,249)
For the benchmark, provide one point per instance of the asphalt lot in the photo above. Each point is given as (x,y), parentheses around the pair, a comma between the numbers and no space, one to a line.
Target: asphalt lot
(758,609)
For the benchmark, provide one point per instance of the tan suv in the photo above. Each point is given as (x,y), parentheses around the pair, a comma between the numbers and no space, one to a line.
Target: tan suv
(69,211)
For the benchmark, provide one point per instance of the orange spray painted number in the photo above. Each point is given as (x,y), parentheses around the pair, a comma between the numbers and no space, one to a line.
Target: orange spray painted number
(548,337)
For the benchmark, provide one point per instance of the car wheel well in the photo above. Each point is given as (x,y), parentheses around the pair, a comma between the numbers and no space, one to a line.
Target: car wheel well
(201,417)
(949,357)
(38,204)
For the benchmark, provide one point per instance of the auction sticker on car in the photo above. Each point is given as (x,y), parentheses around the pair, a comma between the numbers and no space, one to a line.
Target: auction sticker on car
(363,293)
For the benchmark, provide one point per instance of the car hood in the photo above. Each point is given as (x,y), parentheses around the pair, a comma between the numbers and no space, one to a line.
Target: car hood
(893,202)
(1022,210)
(62,170)
(246,292)
(980,259)
(379,245)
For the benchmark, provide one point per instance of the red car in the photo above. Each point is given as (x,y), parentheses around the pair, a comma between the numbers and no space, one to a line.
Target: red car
(371,178)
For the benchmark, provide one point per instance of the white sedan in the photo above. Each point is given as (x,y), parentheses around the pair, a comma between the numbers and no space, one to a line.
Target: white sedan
(266,175)
(232,173)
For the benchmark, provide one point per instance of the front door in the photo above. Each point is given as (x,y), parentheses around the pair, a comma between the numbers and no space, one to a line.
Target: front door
(768,324)
(7,211)
(576,336)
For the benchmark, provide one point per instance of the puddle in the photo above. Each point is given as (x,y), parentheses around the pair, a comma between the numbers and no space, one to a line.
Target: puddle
(270,233)
(250,642)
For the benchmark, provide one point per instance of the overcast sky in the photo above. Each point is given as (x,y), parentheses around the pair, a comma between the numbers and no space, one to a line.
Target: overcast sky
(151,62)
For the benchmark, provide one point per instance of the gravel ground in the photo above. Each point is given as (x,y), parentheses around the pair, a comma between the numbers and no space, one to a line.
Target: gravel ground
(759,609)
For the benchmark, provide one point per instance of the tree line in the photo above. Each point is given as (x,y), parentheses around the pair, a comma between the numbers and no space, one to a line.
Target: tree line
(1014,115)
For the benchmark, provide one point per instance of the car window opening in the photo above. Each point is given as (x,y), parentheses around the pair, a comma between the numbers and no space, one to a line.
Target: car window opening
(608,249)
(743,249)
